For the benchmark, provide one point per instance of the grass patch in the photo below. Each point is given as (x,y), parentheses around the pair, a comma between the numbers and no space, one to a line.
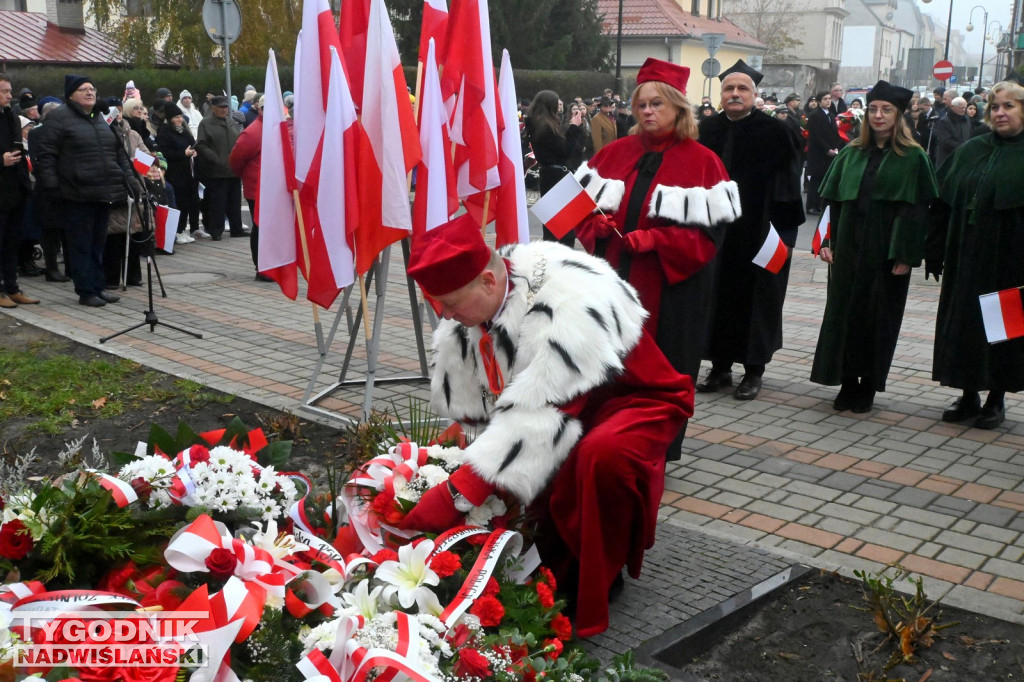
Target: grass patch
(52,386)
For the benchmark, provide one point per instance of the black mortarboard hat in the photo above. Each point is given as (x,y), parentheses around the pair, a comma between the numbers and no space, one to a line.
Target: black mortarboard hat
(741,67)
(893,94)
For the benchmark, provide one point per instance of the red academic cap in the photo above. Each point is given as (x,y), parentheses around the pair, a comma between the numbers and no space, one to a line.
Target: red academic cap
(448,257)
(664,72)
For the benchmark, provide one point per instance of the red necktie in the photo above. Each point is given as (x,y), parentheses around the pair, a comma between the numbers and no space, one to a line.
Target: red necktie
(494,378)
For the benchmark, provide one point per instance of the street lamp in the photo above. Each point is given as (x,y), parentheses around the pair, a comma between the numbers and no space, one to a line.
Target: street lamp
(995,37)
(970,27)
(618,54)
(949,24)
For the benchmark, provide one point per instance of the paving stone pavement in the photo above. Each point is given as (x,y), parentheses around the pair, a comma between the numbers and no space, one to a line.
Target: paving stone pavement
(761,485)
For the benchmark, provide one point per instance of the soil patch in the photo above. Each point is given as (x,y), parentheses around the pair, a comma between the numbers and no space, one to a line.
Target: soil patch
(809,630)
(311,441)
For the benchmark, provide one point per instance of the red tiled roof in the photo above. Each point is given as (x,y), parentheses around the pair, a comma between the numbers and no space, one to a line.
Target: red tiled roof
(28,38)
(657,18)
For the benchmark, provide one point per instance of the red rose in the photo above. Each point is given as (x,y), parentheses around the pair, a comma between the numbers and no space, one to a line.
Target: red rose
(142,488)
(169,594)
(459,636)
(148,674)
(556,648)
(221,563)
(198,454)
(489,610)
(472,663)
(547,576)
(445,564)
(562,627)
(546,596)
(491,588)
(15,540)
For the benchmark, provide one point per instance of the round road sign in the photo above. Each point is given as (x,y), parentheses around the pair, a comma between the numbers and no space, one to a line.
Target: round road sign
(222,19)
(711,67)
(942,70)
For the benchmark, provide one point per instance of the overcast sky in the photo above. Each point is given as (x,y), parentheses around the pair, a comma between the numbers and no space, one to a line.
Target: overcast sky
(998,10)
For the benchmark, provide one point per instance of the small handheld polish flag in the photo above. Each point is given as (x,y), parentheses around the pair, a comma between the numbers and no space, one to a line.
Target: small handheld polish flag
(166,227)
(823,232)
(1003,314)
(564,206)
(773,253)
(143,161)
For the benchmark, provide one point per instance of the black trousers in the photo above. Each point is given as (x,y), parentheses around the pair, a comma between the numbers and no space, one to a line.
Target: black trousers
(223,199)
(10,238)
(52,237)
(254,235)
(85,224)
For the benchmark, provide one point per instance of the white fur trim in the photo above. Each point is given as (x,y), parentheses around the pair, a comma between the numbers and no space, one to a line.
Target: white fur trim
(696,205)
(607,194)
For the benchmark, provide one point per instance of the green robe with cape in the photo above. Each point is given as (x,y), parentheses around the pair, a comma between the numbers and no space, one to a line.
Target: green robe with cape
(879,203)
(977,233)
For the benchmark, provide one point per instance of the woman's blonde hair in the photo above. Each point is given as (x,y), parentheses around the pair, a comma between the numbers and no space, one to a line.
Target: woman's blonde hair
(1014,91)
(900,140)
(686,125)
(128,108)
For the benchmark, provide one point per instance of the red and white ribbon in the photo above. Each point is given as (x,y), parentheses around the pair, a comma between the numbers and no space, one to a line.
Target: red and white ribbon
(122,491)
(500,543)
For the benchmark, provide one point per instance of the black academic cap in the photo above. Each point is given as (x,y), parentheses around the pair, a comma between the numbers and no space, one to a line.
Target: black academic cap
(741,67)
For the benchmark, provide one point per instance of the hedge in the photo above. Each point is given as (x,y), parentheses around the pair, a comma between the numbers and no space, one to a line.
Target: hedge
(49,80)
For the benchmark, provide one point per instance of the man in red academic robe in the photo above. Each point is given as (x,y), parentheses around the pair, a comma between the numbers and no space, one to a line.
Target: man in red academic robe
(545,347)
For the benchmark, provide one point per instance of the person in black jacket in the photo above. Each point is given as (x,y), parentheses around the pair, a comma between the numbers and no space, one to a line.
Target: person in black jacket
(222,200)
(14,193)
(823,143)
(178,147)
(81,157)
(551,146)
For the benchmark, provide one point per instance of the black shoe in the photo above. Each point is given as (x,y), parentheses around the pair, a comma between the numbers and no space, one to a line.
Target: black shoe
(260,277)
(92,301)
(30,271)
(714,381)
(990,417)
(109,298)
(243,233)
(748,389)
(863,401)
(135,282)
(214,237)
(844,399)
(56,276)
(617,588)
(963,408)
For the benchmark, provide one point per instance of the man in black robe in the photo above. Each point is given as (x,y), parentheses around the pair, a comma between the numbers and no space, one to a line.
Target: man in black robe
(760,157)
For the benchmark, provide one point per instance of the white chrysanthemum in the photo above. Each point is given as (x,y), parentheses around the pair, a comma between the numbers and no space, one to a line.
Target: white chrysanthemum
(408,577)
(452,458)
(482,515)
(321,637)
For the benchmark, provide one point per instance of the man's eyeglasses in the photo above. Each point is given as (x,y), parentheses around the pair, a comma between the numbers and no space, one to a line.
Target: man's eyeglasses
(86,89)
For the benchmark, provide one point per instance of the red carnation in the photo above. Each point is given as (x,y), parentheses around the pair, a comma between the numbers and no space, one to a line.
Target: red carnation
(546,596)
(384,555)
(547,576)
(489,610)
(556,648)
(472,663)
(15,540)
(445,564)
(221,563)
(198,454)
(491,588)
(562,627)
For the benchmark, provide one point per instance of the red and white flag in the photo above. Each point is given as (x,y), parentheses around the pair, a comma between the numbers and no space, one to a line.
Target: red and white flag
(564,206)
(1003,314)
(143,162)
(166,227)
(433,27)
(824,230)
(468,81)
(353,20)
(436,196)
(773,253)
(312,70)
(391,148)
(511,223)
(275,205)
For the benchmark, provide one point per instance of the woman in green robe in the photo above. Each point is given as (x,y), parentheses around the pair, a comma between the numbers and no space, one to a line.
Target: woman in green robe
(879,189)
(977,241)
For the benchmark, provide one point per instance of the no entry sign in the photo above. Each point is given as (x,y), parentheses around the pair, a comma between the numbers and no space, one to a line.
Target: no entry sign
(942,70)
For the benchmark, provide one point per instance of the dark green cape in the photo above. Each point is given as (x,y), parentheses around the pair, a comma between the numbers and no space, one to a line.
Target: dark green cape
(869,235)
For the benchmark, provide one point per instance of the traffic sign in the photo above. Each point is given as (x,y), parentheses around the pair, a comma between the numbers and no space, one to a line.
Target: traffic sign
(713,41)
(952,79)
(223,20)
(942,70)
(711,67)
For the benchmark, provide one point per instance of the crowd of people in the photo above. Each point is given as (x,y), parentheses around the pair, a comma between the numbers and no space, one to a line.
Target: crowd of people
(71,190)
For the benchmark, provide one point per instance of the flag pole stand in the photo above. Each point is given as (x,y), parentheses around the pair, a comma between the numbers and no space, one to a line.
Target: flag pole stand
(377,276)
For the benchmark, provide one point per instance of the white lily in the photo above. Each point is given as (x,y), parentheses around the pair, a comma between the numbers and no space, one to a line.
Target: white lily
(409,576)
(279,545)
(361,601)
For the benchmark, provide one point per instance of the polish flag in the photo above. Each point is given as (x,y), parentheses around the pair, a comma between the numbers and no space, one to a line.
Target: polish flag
(511,224)
(1003,314)
(433,27)
(353,21)
(275,206)
(824,230)
(166,227)
(564,206)
(143,162)
(390,148)
(338,196)
(468,82)
(312,69)
(773,253)
(436,198)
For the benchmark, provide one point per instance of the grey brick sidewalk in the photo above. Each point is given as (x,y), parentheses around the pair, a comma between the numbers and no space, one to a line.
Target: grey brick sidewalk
(762,484)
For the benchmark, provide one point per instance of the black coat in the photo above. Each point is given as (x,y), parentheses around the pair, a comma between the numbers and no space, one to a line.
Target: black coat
(14,182)
(81,156)
(173,145)
(758,153)
(822,135)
